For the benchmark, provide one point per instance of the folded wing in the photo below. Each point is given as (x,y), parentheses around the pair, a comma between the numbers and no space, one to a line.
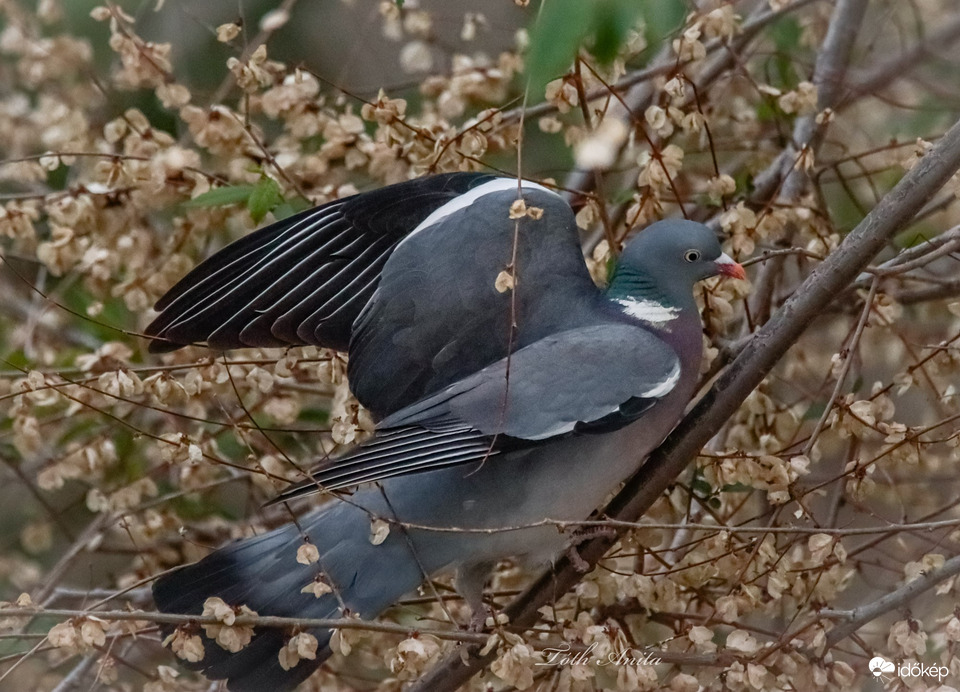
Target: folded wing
(576,382)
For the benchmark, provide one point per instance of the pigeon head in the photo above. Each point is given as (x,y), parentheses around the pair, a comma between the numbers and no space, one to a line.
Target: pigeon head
(660,265)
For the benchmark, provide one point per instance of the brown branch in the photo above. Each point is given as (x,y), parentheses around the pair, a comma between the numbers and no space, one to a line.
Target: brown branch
(272,621)
(928,293)
(691,526)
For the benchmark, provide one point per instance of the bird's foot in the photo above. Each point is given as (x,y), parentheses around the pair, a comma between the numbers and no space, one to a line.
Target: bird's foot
(583,535)
(478,619)
(579,564)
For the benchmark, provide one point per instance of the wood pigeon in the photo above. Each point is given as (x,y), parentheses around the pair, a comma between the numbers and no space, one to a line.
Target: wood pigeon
(500,403)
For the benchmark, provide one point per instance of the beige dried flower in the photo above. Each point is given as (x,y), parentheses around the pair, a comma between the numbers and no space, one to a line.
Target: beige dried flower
(188,647)
(562,94)
(228,635)
(413,656)
(301,646)
(416,57)
(504,282)
(318,587)
(307,554)
(228,32)
(515,665)
(379,530)
(65,635)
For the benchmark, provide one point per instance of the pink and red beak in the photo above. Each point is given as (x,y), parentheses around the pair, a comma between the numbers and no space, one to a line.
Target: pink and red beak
(727,266)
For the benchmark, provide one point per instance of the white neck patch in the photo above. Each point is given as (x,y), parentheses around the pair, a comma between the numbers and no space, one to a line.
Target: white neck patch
(649,311)
(467,198)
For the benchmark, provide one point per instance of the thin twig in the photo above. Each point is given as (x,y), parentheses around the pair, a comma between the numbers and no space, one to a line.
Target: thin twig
(262,37)
(844,369)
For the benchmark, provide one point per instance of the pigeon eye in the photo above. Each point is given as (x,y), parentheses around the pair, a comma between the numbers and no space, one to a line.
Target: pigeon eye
(691,255)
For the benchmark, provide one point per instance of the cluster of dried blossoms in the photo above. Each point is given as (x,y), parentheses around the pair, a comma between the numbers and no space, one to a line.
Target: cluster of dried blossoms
(120,465)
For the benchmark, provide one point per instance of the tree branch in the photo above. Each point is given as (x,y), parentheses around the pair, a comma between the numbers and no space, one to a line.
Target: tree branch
(861,615)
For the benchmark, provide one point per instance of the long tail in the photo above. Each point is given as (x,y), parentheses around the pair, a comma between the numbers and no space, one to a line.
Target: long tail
(263,574)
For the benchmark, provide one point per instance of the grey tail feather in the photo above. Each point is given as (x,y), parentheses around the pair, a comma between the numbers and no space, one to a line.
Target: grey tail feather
(229,573)
(263,573)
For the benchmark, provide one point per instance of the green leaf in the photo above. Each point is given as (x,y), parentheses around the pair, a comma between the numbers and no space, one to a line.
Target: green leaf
(612,21)
(318,416)
(611,267)
(701,487)
(565,25)
(815,410)
(785,77)
(18,360)
(786,34)
(661,18)
(290,207)
(57,178)
(221,196)
(767,111)
(260,199)
(264,198)
(555,39)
